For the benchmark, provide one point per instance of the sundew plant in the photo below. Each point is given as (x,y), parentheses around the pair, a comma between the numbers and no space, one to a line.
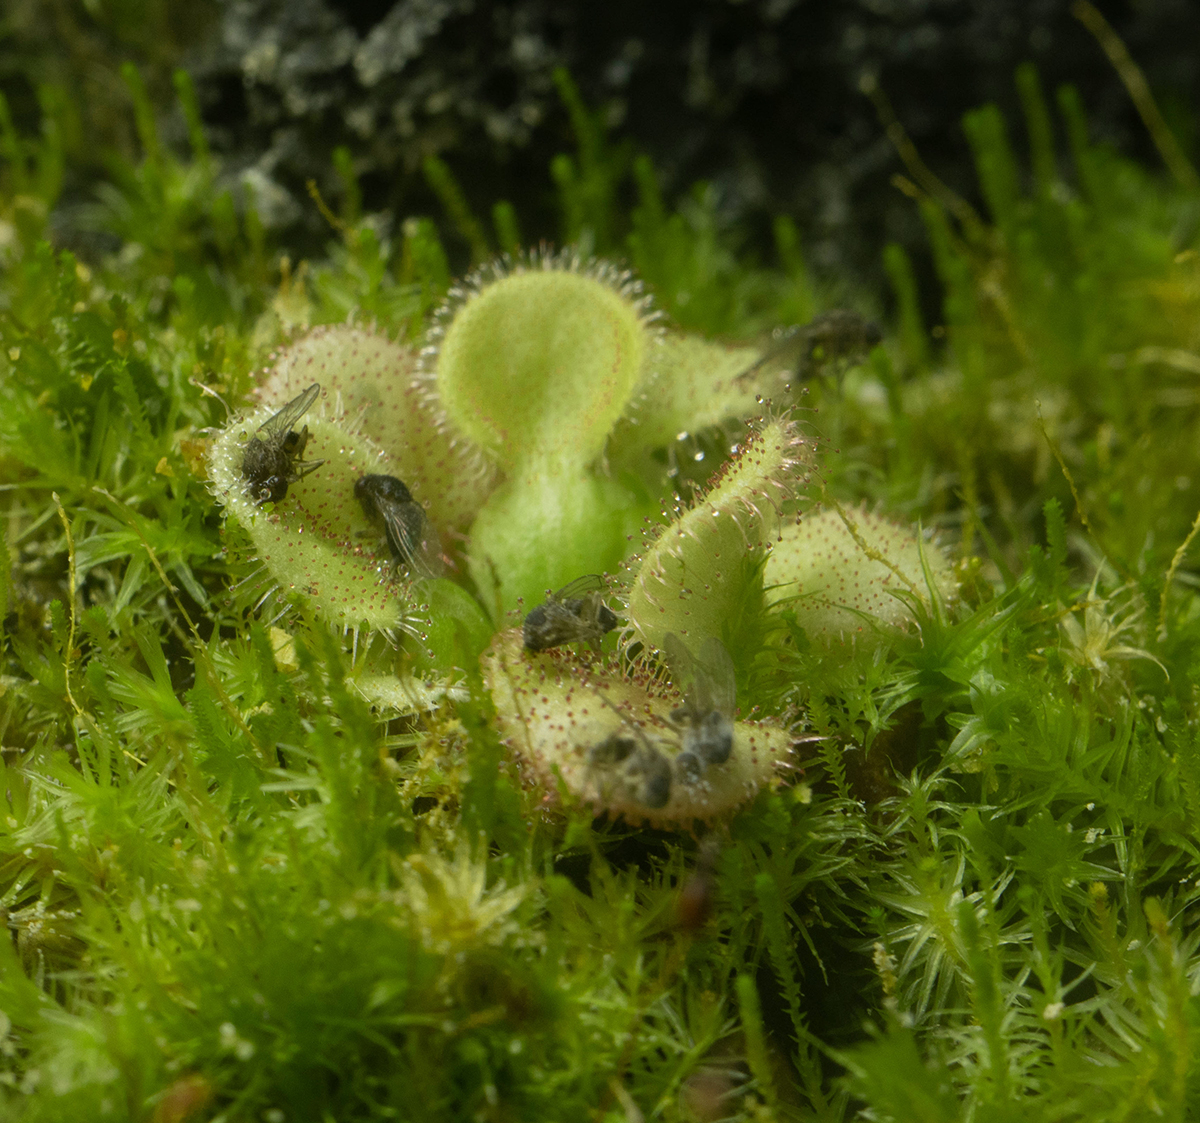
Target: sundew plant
(875,795)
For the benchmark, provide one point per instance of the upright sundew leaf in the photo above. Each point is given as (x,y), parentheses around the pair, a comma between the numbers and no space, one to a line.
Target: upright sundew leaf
(688,581)
(838,578)
(539,359)
(543,528)
(559,709)
(316,542)
(374,382)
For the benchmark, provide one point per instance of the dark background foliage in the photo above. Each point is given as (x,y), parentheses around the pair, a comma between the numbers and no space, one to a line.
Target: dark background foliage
(761,98)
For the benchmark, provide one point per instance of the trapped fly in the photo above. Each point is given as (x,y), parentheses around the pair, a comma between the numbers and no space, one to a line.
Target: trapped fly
(273,456)
(389,507)
(575,614)
(640,767)
(705,720)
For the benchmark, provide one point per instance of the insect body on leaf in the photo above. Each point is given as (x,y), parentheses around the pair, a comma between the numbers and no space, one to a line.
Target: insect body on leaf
(389,507)
(641,766)
(576,613)
(705,719)
(273,456)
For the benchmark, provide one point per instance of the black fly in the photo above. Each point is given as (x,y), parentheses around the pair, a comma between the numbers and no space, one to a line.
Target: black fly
(705,719)
(643,765)
(273,456)
(389,507)
(838,334)
(576,613)
(833,335)
(655,772)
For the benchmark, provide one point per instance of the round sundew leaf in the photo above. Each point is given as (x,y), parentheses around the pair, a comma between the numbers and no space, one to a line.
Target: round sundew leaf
(316,541)
(689,384)
(550,710)
(541,363)
(835,583)
(369,381)
(692,577)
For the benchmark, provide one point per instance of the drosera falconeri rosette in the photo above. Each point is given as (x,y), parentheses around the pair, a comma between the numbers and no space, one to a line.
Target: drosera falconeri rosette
(536,377)
(500,425)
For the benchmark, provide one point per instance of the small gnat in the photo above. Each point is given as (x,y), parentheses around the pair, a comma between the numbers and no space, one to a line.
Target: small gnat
(705,719)
(575,614)
(635,764)
(388,506)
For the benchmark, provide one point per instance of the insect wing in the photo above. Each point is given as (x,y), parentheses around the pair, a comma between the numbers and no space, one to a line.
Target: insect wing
(575,613)
(589,583)
(716,679)
(783,352)
(417,541)
(280,424)
(680,661)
